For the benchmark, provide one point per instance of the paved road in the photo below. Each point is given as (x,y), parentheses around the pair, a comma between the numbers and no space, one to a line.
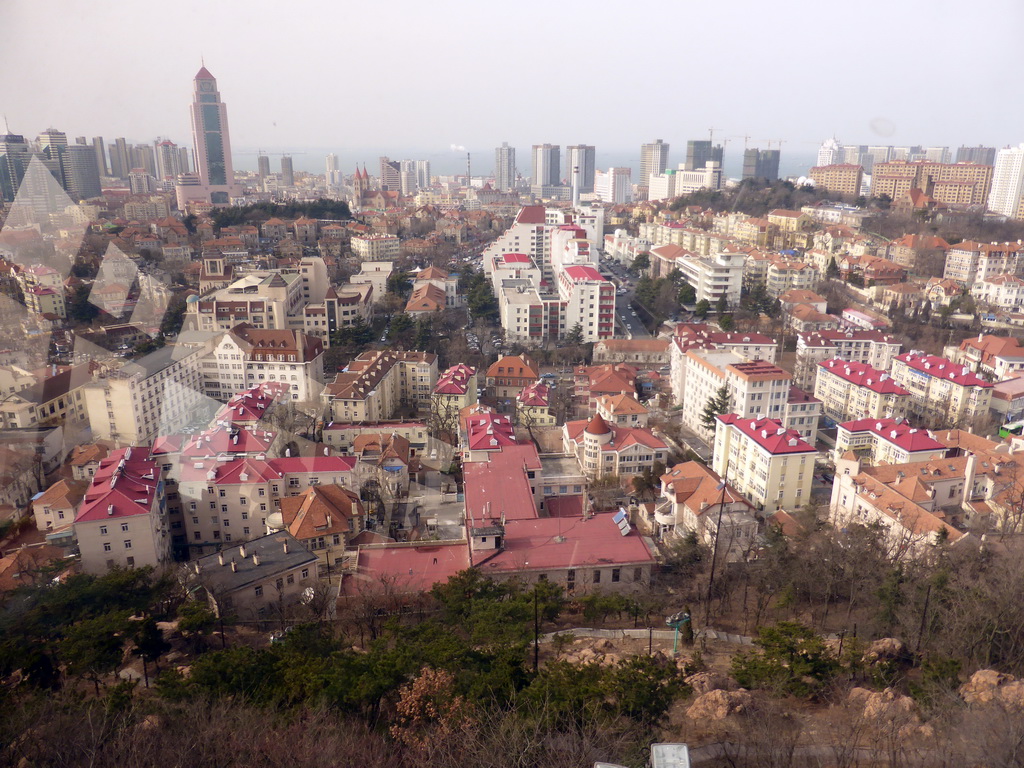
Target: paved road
(632,324)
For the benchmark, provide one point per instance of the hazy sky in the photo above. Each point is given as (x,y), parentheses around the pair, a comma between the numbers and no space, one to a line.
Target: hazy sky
(423,76)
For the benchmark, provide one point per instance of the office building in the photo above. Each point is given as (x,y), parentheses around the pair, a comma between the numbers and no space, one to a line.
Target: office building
(613,186)
(580,160)
(505,167)
(81,174)
(390,175)
(168,160)
(700,153)
(422,173)
(287,171)
(761,164)
(653,159)
(1008,183)
(212,143)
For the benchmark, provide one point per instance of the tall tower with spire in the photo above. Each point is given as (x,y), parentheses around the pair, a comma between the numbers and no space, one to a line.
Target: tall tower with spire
(212,145)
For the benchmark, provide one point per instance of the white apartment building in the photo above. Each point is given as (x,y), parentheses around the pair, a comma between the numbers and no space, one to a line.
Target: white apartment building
(123,520)
(785,276)
(969,262)
(589,302)
(850,390)
(375,247)
(1004,292)
(261,299)
(613,186)
(873,348)
(1007,192)
(715,276)
(375,273)
(886,441)
(245,357)
(156,394)
(770,465)
(941,389)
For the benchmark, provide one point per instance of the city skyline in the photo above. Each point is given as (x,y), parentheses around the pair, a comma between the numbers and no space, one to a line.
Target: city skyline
(287,108)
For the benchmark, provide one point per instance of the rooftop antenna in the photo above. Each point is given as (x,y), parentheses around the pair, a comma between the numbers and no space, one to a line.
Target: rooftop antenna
(7,126)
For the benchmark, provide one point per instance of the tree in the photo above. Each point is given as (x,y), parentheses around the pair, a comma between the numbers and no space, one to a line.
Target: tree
(641,263)
(401,324)
(174,317)
(726,323)
(832,270)
(702,308)
(575,336)
(80,309)
(149,645)
(718,404)
(687,294)
(722,305)
(399,283)
(648,482)
(792,659)
(92,648)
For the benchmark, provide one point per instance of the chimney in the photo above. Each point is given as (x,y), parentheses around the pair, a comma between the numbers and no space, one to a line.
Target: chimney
(234,567)
(255,558)
(220,558)
(286,546)
(969,472)
(241,550)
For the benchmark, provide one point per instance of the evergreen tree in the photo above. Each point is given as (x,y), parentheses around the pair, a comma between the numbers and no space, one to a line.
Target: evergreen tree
(717,405)
(832,270)
(722,306)
(702,308)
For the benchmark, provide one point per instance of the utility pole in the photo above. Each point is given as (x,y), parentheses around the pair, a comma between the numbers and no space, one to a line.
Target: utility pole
(714,549)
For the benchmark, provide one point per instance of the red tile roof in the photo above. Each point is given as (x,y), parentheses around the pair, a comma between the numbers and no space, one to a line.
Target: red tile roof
(940,367)
(124,485)
(769,434)
(863,375)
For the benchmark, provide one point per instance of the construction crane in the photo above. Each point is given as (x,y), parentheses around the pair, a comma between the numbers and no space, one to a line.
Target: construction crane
(711,134)
(261,152)
(780,142)
(745,137)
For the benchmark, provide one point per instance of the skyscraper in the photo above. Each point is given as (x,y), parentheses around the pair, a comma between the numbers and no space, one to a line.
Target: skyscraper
(580,161)
(761,164)
(168,160)
(143,156)
(613,186)
(263,165)
(101,156)
(653,159)
(505,167)
(700,153)
(15,155)
(81,176)
(333,174)
(1007,192)
(547,168)
(120,163)
(212,144)
(407,177)
(287,171)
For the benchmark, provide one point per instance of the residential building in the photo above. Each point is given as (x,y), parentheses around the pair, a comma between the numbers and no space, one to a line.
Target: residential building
(873,348)
(54,397)
(635,352)
(980,155)
(155,394)
(1007,195)
(770,465)
(377,274)
(969,261)
(604,449)
(695,500)
(850,390)
(375,247)
(580,163)
(913,251)
(942,391)
(55,508)
(507,377)
(761,164)
(589,302)
(700,153)
(995,357)
(593,382)
(1008,398)
(949,183)
(446,282)
(1003,292)
(614,185)
(783,276)
(265,578)
(266,300)
(802,414)
(324,519)
(212,145)
(840,178)
(374,385)
(547,169)
(123,519)
(246,357)
(85,460)
(533,406)
(715,276)
(622,410)
(456,389)
(885,441)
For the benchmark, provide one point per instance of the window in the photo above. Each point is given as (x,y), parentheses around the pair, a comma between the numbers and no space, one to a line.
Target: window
(130,561)
(222,493)
(305,573)
(245,515)
(224,508)
(337,539)
(124,526)
(195,520)
(258,589)
(245,531)
(291,578)
(597,576)
(280,583)
(616,574)
(106,546)
(103,530)
(262,492)
(638,574)
(216,534)
(127,543)
(197,536)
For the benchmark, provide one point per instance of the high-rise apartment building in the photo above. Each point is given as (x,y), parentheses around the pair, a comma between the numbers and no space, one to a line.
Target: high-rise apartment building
(81,176)
(120,164)
(333,171)
(212,144)
(505,167)
(829,153)
(263,165)
(613,186)
(950,183)
(168,160)
(838,178)
(580,160)
(101,156)
(761,164)
(407,177)
(700,153)
(143,156)
(547,169)
(422,174)
(981,155)
(287,171)
(1007,195)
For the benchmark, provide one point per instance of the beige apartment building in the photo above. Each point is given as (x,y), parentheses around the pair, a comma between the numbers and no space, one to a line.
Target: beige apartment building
(942,391)
(949,183)
(770,465)
(843,179)
(850,390)
(376,384)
